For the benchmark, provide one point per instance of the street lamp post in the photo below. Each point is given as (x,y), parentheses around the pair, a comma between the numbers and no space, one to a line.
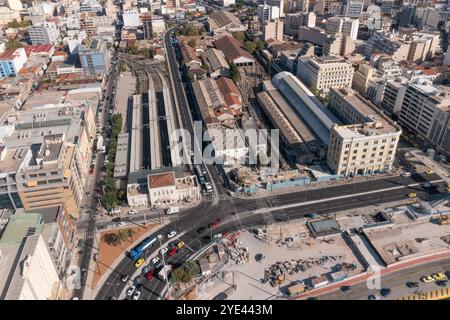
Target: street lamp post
(164,265)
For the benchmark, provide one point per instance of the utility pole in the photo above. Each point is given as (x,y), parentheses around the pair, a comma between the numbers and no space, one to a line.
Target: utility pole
(164,265)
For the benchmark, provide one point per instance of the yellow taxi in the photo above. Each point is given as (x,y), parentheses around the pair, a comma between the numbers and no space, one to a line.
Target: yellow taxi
(427,279)
(411,195)
(429,171)
(180,244)
(438,276)
(139,262)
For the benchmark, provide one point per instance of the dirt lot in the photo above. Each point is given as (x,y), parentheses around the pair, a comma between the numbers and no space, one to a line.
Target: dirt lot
(248,277)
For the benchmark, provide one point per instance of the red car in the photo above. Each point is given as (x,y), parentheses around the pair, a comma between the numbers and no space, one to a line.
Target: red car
(149,274)
(172,252)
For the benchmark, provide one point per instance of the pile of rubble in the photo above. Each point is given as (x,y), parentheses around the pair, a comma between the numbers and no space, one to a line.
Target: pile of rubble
(237,252)
(276,273)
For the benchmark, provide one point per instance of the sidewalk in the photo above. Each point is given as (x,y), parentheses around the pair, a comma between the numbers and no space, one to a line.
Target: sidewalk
(364,276)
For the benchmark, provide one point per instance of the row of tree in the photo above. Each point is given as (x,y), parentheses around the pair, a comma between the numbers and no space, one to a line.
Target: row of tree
(111,199)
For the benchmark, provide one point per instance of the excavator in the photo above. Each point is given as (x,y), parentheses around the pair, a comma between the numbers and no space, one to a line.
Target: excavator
(443,220)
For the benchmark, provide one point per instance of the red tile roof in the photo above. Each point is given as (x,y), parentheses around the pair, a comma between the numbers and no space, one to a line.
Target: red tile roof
(159,180)
(7,54)
(231,48)
(40,48)
(227,86)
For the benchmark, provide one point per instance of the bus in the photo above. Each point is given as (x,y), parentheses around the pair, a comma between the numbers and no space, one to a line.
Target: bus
(137,251)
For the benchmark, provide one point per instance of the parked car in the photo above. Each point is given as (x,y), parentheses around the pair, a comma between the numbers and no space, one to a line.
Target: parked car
(171,234)
(406,174)
(133,211)
(385,292)
(124,278)
(442,283)
(438,276)
(172,252)
(345,288)
(180,244)
(130,290)
(145,269)
(163,251)
(149,274)
(412,284)
(121,224)
(411,195)
(427,279)
(136,295)
(155,260)
(139,262)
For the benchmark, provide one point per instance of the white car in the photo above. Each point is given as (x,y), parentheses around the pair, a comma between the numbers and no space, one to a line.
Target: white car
(171,234)
(121,224)
(163,251)
(155,260)
(130,291)
(136,295)
(406,174)
(133,211)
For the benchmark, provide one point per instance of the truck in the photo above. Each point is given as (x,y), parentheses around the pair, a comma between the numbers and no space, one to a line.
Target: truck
(167,269)
(100,143)
(172,210)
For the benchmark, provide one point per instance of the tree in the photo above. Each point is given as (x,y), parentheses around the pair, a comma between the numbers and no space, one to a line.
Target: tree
(192,43)
(234,72)
(192,267)
(259,45)
(239,36)
(13,44)
(250,46)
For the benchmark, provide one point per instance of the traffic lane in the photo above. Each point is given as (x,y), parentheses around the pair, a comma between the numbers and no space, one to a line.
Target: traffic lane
(152,288)
(192,237)
(334,191)
(396,281)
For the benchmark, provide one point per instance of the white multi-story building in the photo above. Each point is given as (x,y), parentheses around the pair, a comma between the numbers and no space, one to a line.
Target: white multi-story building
(415,47)
(14,4)
(277,3)
(27,271)
(227,3)
(300,19)
(131,18)
(323,73)
(367,143)
(394,93)
(8,15)
(353,9)
(344,25)
(447,57)
(273,30)
(267,13)
(11,61)
(426,111)
(44,33)
(387,6)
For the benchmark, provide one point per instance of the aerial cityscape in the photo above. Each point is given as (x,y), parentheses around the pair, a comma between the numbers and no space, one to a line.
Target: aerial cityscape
(224,150)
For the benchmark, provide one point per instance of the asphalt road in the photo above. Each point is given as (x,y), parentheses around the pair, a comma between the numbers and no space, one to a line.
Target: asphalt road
(91,201)
(396,281)
(191,220)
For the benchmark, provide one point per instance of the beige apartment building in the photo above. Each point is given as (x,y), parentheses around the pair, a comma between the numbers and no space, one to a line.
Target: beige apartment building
(362,77)
(367,144)
(273,30)
(50,175)
(338,45)
(323,73)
